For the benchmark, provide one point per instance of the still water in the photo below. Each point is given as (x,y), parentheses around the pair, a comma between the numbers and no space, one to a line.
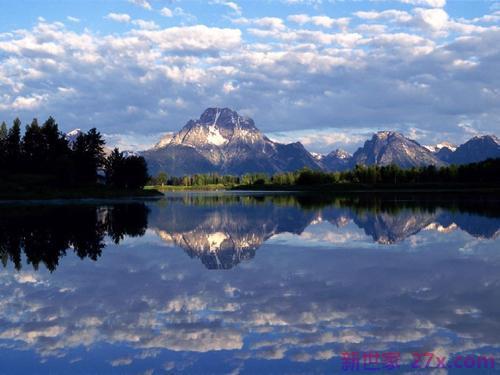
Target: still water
(249,283)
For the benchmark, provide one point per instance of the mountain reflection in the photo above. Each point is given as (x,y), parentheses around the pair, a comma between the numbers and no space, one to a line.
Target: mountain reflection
(45,233)
(293,308)
(224,230)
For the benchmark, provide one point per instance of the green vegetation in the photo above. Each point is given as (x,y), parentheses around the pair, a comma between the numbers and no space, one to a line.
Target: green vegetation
(485,174)
(211,181)
(482,175)
(43,164)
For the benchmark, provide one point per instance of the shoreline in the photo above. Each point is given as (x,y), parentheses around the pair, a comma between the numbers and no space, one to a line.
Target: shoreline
(82,194)
(350,188)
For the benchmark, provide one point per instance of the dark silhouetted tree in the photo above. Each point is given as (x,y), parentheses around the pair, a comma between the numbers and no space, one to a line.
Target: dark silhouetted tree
(13,146)
(126,172)
(88,152)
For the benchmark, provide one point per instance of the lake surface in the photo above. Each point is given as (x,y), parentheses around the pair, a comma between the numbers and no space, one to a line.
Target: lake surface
(250,283)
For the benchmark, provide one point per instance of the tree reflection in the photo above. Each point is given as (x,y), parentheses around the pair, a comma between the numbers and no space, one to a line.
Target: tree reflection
(45,233)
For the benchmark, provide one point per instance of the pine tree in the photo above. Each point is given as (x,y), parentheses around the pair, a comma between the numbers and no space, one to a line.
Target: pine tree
(13,146)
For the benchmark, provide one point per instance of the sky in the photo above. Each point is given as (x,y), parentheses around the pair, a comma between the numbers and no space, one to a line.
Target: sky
(327,73)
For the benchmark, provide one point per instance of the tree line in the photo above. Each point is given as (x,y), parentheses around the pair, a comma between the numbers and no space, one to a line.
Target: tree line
(44,151)
(485,172)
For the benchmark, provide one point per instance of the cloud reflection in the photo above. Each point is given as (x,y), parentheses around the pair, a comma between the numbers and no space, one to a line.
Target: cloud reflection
(144,306)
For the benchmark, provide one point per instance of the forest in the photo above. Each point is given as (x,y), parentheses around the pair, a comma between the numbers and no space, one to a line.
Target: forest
(482,174)
(42,157)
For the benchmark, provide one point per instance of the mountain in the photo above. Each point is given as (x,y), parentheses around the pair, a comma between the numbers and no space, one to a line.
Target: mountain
(338,160)
(72,136)
(223,141)
(388,147)
(443,145)
(474,150)
(164,141)
(445,154)
(224,231)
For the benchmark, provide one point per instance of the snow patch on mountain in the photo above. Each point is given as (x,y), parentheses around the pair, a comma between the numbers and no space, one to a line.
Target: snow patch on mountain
(439,146)
(317,156)
(215,240)
(72,136)
(214,136)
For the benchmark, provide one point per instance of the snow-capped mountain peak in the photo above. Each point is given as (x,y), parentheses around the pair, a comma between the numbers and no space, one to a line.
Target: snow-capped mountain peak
(72,136)
(223,141)
(341,154)
(439,146)
(74,133)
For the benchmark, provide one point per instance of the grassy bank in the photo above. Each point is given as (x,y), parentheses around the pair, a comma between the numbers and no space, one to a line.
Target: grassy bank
(209,187)
(339,187)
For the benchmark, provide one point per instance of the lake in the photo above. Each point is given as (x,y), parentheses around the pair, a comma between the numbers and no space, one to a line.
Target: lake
(251,283)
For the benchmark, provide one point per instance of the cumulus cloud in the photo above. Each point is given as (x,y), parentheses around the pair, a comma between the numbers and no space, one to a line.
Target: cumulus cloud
(382,69)
(166,12)
(269,23)
(119,17)
(434,19)
(390,14)
(236,8)
(147,25)
(323,21)
(142,3)
(429,3)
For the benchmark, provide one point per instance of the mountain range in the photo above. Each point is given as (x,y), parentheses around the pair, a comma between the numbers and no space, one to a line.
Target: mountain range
(221,141)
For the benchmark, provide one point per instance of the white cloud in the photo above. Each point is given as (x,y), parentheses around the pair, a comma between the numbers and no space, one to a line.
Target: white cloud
(236,8)
(73,19)
(179,12)
(142,3)
(428,3)
(285,75)
(166,12)
(270,23)
(28,102)
(119,17)
(390,14)
(147,25)
(323,21)
(194,38)
(434,19)
(121,362)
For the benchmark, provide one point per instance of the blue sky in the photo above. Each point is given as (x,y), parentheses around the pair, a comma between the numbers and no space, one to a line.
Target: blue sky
(327,73)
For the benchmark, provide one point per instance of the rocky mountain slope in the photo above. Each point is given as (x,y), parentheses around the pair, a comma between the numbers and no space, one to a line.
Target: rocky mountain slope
(474,150)
(223,141)
(337,160)
(388,147)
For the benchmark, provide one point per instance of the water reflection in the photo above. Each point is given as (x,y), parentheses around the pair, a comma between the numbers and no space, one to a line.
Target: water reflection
(224,230)
(346,274)
(45,233)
